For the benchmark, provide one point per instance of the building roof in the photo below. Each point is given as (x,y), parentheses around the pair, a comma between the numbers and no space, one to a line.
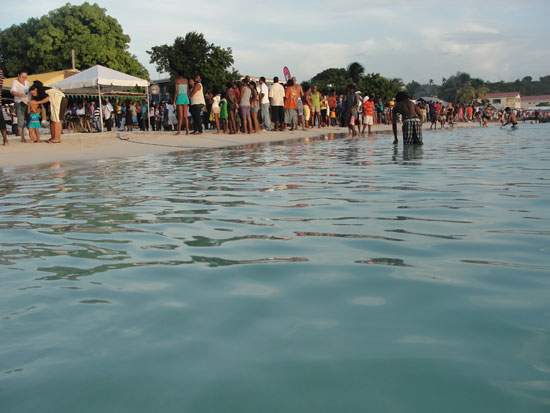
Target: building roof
(502,95)
(543,98)
(46,78)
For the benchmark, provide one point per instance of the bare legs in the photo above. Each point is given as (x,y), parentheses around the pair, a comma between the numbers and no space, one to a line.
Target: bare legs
(217,120)
(182,117)
(55,128)
(255,122)
(232,129)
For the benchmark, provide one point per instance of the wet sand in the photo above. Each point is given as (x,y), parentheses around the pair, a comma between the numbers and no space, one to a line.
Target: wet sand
(97,146)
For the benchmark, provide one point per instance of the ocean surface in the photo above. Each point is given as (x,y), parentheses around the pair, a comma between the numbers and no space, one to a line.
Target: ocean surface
(321,275)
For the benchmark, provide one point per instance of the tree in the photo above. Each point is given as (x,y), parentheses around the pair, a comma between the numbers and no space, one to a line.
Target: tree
(44,44)
(356,71)
(332,79)
(192,55)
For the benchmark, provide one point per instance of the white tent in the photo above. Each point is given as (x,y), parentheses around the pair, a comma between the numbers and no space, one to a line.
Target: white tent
(101,79)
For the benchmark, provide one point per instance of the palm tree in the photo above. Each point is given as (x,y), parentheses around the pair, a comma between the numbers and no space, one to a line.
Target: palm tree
(355,71)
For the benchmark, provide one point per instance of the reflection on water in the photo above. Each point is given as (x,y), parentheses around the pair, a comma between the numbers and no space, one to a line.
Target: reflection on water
(392,270)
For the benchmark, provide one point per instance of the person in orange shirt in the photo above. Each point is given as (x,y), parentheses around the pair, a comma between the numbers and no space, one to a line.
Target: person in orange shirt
(470,112)
(368,111)
(291,104)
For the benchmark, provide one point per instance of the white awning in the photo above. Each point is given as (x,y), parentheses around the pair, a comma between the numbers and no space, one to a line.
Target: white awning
(107,79)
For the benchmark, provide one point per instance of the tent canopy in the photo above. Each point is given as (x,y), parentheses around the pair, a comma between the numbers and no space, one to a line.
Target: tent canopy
(108,80)
(431,99)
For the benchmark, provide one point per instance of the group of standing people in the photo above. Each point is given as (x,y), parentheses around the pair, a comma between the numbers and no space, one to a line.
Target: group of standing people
(27,100)
(189,95)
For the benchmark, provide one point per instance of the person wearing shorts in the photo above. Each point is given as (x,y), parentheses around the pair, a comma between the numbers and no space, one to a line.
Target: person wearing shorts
(368,114)
(412,123)
(277,95)
(244,105)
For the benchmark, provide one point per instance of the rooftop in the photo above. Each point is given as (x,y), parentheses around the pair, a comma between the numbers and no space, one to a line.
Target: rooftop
(502,95)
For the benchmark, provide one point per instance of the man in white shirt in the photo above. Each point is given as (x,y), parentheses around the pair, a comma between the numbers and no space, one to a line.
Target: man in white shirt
(277,98)
(108,114)
(264,104)
(19,90)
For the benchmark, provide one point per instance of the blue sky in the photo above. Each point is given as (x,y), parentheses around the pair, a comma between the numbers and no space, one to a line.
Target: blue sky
(420,40)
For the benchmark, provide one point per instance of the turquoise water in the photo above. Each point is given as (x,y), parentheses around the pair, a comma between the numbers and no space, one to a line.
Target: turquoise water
(332,275)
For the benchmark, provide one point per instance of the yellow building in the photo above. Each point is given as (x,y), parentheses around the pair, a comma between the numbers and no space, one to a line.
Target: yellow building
(504,99)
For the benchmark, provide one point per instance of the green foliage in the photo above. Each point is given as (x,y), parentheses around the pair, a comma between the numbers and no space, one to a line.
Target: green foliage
(192,55)
(44,44)
(418,90)
(525,86)
(458,88)
(356,71)
(462,88)
(332,79)
(338,79)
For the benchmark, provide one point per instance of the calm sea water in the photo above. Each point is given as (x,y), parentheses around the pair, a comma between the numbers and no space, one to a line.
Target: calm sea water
(331,275)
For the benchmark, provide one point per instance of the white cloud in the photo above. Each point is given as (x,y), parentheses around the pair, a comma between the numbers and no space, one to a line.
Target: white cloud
(404,39)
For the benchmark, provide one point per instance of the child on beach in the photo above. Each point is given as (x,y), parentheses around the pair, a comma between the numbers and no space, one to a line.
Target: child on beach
(34,123)
(223,113)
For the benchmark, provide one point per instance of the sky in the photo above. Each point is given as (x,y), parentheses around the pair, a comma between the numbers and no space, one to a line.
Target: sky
(407,39)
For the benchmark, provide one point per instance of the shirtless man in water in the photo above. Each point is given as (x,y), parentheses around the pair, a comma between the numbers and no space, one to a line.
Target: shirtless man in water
(510,118)
(412,120)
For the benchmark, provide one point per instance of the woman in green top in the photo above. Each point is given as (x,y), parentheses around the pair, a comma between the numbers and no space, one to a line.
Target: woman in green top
(181,102)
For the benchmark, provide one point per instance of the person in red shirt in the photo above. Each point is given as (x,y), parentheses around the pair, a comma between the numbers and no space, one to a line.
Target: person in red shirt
(368,111)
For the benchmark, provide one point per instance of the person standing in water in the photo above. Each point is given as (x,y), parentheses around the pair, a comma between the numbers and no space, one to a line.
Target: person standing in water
(412,123)
(510,118)
(181,102)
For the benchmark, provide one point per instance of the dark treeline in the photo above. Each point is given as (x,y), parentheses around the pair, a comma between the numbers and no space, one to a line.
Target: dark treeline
(462,88)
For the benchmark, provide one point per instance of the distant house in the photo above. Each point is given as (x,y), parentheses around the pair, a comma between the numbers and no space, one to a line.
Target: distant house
(533,101)
(504,99)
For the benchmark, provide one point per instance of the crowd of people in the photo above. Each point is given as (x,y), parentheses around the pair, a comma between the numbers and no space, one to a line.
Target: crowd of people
(241,107)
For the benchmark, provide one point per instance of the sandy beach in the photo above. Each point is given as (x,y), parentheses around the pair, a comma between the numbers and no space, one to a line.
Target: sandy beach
(96,146)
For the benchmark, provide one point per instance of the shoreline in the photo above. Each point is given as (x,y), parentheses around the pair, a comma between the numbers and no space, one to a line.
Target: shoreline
(107,145)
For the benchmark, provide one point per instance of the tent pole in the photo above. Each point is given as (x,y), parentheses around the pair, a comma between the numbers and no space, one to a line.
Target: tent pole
(100,107)
(148,110)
